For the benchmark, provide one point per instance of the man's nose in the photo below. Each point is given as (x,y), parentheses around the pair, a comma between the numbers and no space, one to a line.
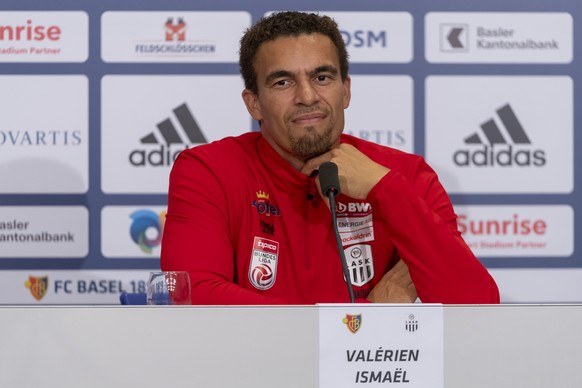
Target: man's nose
(306,93)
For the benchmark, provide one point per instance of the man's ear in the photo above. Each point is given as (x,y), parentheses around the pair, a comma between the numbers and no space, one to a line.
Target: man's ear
(252,103)
(347,91)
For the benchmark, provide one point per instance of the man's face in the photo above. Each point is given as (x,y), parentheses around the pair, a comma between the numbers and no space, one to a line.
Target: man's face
(301,96)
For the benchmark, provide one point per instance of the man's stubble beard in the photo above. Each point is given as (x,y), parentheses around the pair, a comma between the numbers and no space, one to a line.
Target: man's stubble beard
(312,143)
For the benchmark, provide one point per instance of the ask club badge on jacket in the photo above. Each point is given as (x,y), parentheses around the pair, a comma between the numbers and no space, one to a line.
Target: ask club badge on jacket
(355,226)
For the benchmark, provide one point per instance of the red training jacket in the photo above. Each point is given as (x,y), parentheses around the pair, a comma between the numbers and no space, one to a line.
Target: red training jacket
(250,229)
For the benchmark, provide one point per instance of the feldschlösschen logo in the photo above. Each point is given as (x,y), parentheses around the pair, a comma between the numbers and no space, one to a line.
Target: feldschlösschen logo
(147,229)
(163,151)
(175,41)
(510,149)
(175,30)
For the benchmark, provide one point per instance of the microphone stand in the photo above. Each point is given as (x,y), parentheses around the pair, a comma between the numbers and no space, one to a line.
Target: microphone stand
(331,196)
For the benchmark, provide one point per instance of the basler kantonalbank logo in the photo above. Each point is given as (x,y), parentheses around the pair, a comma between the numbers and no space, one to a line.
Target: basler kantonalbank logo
(512,149)
(163,152)
(454,37)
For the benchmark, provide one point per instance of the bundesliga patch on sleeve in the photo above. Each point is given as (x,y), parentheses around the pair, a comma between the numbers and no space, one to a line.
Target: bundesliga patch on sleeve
(263,268)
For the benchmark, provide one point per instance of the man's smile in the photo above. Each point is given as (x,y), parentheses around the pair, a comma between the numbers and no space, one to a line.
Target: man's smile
(309,118)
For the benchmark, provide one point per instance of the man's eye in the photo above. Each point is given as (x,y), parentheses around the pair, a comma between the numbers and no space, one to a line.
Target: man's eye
(323,79)
(282,82)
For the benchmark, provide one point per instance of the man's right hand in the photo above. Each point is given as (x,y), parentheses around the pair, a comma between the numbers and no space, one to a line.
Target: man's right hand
(396,286)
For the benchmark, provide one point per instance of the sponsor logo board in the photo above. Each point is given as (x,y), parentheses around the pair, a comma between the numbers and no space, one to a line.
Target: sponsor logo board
(132,231)
(148,120)
(489,134)
(44,129)
(517,230)
(376,37)
(44,36)
(498,37)
(172,36)
(381,110)
(44,231)
(73,287)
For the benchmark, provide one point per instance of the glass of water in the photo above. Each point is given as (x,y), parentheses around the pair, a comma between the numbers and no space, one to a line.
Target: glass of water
(169,288)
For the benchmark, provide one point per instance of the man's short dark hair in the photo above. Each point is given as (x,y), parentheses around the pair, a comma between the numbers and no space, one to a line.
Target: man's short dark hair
(281,24)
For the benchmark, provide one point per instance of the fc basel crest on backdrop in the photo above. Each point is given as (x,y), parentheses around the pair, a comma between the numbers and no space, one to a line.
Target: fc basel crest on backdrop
(38,286)
(263,268)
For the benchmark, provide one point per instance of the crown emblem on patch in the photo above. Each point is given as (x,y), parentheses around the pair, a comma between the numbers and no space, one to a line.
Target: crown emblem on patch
(262,195)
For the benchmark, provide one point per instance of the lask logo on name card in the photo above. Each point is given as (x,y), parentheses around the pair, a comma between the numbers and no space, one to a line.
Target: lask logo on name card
(263,268)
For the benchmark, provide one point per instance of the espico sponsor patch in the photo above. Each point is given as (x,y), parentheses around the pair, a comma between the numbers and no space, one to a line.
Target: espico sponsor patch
(263,267)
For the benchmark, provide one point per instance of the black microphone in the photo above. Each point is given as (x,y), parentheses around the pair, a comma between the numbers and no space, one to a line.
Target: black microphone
(330,187)
(329,179)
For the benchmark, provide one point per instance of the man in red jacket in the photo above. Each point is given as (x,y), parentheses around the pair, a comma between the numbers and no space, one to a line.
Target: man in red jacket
(246,217)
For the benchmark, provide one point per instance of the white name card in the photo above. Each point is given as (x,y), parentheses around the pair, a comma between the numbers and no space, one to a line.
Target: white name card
(381,344)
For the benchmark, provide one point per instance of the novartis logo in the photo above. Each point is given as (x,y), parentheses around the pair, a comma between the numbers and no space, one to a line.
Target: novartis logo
(29,32)
(504,150)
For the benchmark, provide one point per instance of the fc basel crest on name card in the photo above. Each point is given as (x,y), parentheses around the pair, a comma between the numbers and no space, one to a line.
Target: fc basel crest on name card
(353,322)
(263,268)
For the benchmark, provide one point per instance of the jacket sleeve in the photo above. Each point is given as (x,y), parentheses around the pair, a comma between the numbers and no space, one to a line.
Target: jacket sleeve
(423,227)
(196,235)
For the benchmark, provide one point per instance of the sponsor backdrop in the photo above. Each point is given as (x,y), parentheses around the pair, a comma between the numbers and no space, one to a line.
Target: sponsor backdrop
(98,98)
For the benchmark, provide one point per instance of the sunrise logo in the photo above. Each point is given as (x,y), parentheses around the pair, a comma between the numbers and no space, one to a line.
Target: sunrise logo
(147,228)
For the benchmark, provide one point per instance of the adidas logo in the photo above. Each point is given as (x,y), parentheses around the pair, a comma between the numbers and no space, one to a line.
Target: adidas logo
(498,149)
(167,152)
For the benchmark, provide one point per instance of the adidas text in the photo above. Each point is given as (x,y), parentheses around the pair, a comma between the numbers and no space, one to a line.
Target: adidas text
(504,157)
(162,156)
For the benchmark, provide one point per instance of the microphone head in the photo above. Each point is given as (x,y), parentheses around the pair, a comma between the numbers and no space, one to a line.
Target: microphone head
(329,179)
